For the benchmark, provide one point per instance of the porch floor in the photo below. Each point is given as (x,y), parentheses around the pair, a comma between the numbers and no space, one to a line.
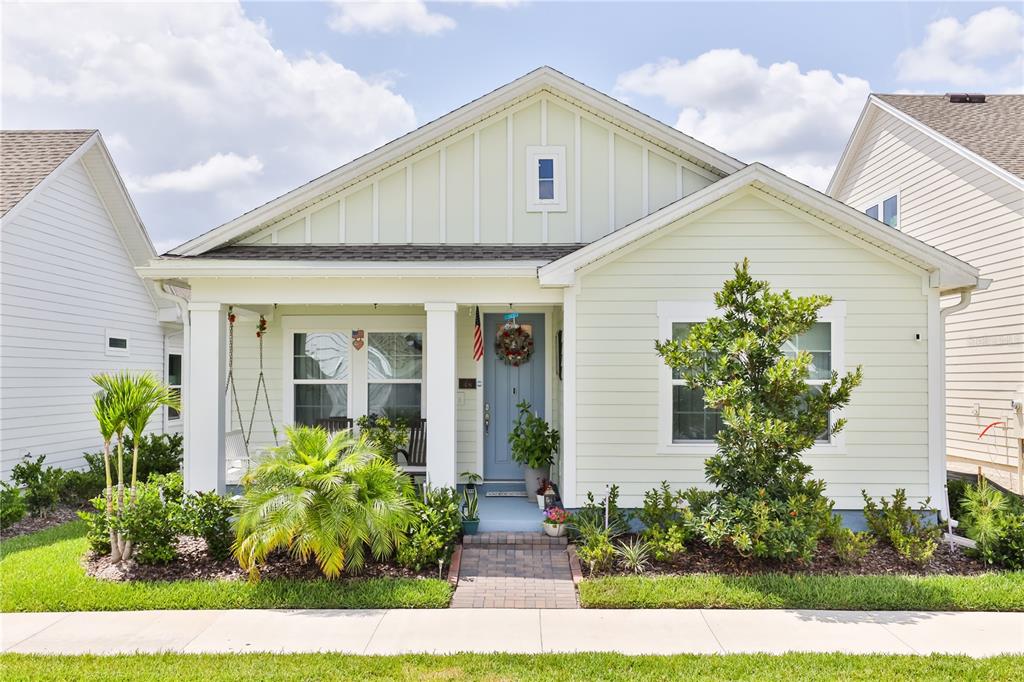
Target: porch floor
(510,514)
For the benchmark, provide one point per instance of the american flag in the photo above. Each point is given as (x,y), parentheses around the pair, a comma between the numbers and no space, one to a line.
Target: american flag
(478,338)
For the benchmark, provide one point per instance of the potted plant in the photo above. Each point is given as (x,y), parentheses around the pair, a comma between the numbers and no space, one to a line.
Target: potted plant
(556,520)
(533,443)
(471,479)
(470,512)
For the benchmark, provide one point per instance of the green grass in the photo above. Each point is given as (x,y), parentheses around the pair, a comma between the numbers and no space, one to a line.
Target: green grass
(42,572)
(989,592)
(507,667)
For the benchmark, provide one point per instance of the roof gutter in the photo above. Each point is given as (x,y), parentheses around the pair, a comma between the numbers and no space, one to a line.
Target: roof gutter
(216,268)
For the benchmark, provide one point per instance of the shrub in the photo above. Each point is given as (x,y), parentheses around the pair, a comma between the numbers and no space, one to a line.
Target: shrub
(633,556)
(208,516)
(433,532)
(592,515)
(159,453)
(597,553)
(323,497)
(668,544)
(79,486)
(766,528)
(383,433)
(152,524)
(1009,549)
(990,520)
(903,528)
(12,505)
(98,525)
(662,508)
(851,547)
(42,485)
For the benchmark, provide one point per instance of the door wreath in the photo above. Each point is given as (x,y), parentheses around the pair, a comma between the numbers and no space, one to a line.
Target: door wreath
(514,344)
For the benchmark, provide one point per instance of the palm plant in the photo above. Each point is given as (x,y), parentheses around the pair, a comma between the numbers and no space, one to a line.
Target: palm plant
(126,402)
(329,497)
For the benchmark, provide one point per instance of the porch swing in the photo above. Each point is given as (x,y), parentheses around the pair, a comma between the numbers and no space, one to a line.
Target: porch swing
(236,442)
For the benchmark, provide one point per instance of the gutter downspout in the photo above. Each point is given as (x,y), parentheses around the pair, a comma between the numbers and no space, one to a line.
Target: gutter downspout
(182,304)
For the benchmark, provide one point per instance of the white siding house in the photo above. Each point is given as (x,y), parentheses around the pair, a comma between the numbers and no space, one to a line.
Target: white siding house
(600,226)
(952,173)
(71,303)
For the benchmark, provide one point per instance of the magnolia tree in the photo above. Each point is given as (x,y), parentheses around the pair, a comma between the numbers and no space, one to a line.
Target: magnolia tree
(766,502)
(124,404)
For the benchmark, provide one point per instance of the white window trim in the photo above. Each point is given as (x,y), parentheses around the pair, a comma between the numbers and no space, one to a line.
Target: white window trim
(117,352)
(878,203)
(699,311)
(174,421)
(534,203)
(358,381)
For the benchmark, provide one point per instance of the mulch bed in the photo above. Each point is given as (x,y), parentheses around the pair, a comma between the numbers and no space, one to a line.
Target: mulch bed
(193,563)
(881,560)
(31,524)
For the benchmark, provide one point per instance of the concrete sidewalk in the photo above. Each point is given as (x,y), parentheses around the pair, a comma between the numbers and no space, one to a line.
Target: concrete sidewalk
(515,631)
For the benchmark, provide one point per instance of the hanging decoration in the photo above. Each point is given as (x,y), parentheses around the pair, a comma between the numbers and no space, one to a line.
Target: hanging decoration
(514,343)
(261,383)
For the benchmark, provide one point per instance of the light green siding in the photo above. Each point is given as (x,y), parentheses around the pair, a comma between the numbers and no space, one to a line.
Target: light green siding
(473,196)
(617,394)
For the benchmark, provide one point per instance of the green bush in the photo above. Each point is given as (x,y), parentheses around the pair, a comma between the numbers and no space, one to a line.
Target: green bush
(208,516)
(1009,549)
(154,522)
(851,547)
(12,505)
(905,529)
(592,515)
(42,484)
(669,520)
(159,453)
(991,520)
(80,486)
(97,528)
(434,531)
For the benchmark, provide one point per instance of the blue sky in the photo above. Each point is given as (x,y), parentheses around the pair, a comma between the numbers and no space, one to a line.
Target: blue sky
(211,110)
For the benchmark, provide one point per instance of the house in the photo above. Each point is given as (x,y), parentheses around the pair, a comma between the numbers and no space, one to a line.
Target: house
(949,170)
(604,230)
(71,303)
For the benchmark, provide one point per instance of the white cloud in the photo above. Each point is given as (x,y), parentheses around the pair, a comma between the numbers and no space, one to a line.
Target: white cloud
(984,53)
(792,120)
(171,83)
(388,16)
(220,170)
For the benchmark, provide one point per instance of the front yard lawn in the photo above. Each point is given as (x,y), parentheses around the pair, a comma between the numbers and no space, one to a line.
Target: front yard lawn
(509,667)
(987,592)
(42,572)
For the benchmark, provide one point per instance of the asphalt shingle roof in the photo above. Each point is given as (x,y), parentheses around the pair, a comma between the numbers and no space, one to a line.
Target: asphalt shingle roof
(28,156)
(993,130)
(391,252)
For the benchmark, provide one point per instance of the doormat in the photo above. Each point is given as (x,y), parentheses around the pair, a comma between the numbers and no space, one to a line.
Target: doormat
(505,493)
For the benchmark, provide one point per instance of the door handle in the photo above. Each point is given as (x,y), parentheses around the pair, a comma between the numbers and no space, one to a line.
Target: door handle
(487,418)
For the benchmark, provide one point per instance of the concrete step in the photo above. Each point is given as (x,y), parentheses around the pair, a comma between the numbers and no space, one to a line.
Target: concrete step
(522,540)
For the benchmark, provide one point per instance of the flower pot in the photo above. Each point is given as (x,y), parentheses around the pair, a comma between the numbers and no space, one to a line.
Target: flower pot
(533,478)
(554,530)
(540,502)
(470,526)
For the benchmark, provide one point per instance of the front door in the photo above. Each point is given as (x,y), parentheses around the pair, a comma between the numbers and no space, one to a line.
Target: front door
(504,387)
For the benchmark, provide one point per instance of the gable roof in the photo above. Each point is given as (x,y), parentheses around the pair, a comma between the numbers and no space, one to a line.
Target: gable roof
(991,134)
(27,157)
(392,253)
(396,151)
(948,273)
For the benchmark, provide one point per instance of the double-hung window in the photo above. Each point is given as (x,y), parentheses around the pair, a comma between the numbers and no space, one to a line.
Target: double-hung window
(394,374)
(685,422)
(886,209)
(321,373)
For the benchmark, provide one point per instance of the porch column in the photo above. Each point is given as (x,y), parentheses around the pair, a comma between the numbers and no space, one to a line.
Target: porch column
(441,391)
(204,416)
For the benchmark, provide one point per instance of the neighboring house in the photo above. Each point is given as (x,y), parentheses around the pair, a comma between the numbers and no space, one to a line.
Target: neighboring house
(606,230)
(949,170)
(71,303)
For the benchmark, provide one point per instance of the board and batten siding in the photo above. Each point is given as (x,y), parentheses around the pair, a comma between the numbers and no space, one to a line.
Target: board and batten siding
(617,369)
(66,279)
(471,187)
(953,204)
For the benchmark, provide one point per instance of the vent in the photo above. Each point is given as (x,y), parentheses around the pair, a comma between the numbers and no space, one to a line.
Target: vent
(965,98)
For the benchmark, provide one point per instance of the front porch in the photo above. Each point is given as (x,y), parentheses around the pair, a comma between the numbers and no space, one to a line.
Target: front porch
(340,362)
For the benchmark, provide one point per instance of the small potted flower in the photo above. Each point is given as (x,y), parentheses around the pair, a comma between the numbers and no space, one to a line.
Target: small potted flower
(470,512)
(556,520)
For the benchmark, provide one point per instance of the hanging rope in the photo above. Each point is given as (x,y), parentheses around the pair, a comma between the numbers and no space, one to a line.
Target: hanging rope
(261,383)
(230,385)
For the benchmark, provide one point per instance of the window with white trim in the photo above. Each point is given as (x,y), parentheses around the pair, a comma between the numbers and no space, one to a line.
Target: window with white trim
(321,366)
(174,383)
(684,418)
(545,179)
(116,343)
(887,210)
(394,374)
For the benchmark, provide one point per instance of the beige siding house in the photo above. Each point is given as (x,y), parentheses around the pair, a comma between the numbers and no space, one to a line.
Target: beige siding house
(71,303)
(551,207)
(950,172)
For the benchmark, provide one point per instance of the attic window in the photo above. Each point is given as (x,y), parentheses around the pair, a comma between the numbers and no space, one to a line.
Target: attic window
(887,210)
(116,343)
(545,179)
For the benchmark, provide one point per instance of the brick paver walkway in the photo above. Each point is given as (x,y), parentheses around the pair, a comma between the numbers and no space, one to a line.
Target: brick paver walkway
(515,571)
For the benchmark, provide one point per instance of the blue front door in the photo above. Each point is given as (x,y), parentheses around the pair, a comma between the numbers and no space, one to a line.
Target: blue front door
(504,386)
